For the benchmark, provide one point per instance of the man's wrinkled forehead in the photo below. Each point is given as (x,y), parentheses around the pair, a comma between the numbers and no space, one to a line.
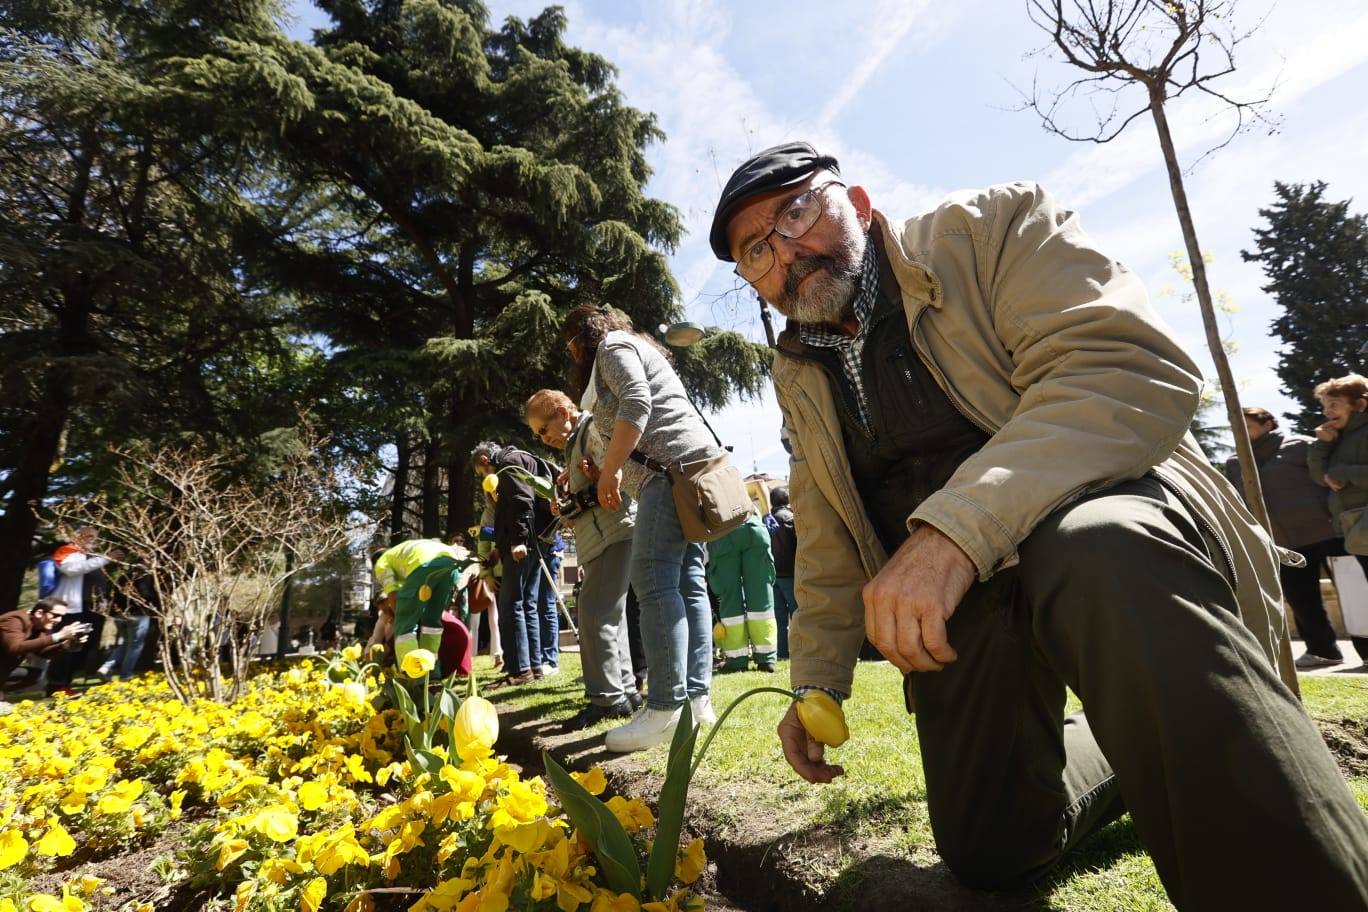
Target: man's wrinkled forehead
(755,215)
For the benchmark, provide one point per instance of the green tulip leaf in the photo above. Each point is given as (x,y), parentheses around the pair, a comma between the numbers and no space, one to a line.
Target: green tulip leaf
(605,835)
(670,810)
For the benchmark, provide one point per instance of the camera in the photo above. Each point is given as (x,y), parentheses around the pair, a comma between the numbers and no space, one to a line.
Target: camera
(577,502)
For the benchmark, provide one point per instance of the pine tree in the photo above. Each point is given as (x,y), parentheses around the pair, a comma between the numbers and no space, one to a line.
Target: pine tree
(127,315)
(474,184)
(1315,255)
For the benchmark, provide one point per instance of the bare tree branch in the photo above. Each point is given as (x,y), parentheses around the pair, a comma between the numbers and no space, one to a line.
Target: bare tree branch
(215,553)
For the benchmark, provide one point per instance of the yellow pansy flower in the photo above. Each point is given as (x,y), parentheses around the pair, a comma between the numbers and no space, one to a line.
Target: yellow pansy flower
(527,837)
(13,848)
(593,781)
(418,663)
(311,897)
(121,798)
(46,902)
(230,851)
(177,798)
(312,795)
(89,780)
(352,653)
(277,823)
(278,870)
(608,901)
(520,803)
(132,737)
(56,841)
(90,883)
(691,864)
(632,814)
(72,803)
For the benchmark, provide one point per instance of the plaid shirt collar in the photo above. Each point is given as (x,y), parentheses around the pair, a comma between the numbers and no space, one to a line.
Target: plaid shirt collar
(850,349)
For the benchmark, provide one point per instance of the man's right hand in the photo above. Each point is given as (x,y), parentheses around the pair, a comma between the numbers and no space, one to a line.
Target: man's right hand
(519,552)
(803,752)
(1327,433)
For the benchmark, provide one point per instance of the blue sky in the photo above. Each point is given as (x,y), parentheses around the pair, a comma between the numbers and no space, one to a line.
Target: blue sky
(916,99)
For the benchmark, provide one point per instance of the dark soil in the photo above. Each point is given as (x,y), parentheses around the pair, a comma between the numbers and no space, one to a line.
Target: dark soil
(761,864)
(1348,741)
(130,875)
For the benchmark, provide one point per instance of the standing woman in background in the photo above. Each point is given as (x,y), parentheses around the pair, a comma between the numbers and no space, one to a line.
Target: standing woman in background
(638,401)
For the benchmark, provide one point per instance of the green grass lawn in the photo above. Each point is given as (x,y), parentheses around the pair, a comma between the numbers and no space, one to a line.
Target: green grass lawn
(878,807)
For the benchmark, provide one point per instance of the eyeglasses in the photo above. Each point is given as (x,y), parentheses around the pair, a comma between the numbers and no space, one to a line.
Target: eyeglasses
(541,434)
(793,221)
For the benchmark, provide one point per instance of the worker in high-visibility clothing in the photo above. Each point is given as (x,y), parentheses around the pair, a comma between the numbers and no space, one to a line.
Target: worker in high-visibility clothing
(741,572)
(417,579)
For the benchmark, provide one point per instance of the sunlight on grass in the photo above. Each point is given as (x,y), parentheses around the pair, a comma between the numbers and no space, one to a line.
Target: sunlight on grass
(881,801)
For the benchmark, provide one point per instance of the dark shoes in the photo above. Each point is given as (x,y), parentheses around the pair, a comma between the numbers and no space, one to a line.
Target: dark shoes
(765,666)
(592,714)
(527,677)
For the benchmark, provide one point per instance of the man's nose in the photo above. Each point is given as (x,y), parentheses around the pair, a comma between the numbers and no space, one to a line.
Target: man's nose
(785,249)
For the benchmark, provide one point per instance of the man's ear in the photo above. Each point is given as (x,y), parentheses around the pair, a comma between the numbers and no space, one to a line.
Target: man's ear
(863,207)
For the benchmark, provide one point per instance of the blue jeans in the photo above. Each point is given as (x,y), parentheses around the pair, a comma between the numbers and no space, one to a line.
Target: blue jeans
(132,636)
(548,615)
(784,607)
(676,620)
(518,625)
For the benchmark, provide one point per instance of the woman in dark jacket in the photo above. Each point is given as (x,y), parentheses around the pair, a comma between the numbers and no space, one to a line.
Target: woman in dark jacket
(1301,522)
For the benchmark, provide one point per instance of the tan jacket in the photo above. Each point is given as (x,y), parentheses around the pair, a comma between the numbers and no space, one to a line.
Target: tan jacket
(1052,348)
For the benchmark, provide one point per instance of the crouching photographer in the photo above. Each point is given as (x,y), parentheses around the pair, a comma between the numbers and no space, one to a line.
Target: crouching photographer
(603,544)
(23,633)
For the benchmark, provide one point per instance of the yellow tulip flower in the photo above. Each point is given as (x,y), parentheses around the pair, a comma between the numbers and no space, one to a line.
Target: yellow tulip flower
(475,728)
(823,718)
(490,484)
(418,663)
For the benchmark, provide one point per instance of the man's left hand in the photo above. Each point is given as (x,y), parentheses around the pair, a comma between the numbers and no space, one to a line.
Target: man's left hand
(910,599)
(519,552)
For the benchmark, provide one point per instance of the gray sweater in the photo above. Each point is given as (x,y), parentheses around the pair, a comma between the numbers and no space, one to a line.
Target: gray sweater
(634,383)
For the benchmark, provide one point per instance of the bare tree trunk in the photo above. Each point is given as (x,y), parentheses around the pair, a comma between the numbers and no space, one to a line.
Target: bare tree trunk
(432,491)
(28,484)
(1244,451)
(399,495)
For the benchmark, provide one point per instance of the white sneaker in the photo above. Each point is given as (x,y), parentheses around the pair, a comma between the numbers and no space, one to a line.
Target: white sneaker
(549,670)
(703,713)
(648,728)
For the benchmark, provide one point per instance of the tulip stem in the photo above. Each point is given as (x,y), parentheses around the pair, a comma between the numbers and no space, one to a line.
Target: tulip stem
(698,760)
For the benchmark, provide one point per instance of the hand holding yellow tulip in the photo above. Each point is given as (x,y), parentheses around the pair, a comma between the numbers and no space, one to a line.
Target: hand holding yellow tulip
(823,718)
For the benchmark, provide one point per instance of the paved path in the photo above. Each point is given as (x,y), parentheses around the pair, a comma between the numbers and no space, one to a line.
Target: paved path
(1352,664)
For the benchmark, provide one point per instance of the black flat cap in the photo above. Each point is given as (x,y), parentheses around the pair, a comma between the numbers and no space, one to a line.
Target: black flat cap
(776,167)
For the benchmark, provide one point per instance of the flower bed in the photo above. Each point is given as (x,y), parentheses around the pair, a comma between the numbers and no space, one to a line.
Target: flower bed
(306,793)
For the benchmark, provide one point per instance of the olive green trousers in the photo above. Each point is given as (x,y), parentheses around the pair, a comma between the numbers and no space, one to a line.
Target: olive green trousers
(1120,598)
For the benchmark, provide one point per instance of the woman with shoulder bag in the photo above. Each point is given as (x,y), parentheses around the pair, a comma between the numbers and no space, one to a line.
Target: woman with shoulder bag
(639,403)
